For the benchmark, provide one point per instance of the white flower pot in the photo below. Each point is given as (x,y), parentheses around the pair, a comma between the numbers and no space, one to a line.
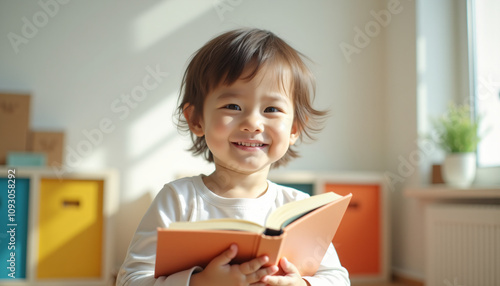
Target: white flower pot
(459,169)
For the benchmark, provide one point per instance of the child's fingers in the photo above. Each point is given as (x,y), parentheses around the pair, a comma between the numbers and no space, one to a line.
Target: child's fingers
(253,265)
(276,280)
(261,273)
(291,277)
(226,256)
(287,266)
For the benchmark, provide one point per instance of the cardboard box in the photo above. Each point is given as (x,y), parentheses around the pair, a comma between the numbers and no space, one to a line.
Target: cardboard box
(50,143)
(14,123)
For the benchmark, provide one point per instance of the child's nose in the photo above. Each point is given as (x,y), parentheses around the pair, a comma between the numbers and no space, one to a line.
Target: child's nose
(252,123)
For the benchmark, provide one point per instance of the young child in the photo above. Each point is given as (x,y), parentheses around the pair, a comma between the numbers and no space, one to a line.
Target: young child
(246,98)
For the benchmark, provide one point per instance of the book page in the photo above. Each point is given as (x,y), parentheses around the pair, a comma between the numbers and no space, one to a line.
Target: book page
(293,210)
(219,224)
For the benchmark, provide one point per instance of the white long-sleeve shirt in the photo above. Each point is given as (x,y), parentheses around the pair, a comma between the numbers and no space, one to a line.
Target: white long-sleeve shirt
(188,199)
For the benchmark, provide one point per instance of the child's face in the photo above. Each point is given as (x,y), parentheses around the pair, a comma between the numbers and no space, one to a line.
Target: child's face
(250,124)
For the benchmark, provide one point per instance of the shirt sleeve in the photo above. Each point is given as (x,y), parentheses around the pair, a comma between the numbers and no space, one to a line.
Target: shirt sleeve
(138,267)
(330,271)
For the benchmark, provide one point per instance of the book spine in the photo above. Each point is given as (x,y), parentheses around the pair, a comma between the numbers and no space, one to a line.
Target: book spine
(270,246)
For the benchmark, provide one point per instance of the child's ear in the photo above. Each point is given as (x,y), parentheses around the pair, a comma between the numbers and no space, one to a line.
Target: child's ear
(192,120)
(294,133)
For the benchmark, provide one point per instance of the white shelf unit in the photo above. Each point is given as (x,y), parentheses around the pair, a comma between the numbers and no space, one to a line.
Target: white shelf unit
(37,178)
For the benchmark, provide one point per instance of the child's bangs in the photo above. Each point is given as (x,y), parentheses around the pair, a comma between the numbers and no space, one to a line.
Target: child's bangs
(282,72)
(242,54)
(276,67)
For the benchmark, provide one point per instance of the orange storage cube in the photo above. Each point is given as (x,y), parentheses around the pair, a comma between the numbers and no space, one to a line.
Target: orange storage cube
(358,239)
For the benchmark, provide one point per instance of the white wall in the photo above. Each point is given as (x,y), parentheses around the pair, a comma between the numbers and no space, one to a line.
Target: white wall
(437,39)
(86,56)
(401,141)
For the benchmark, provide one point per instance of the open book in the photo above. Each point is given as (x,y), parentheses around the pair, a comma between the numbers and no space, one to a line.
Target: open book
(301,231)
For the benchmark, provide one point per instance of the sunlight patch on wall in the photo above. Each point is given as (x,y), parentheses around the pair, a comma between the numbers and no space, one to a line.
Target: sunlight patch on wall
(148,131)
(96,159)
(149,173)
(160,165)
(422,113)
(165,18)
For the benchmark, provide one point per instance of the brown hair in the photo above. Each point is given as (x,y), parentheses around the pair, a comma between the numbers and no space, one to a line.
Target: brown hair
(224,59)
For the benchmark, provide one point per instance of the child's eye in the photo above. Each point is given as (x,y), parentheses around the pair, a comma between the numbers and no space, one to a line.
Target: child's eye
(271,109)
(233,107)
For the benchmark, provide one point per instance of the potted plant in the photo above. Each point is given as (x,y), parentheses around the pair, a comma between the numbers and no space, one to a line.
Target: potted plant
(457,134)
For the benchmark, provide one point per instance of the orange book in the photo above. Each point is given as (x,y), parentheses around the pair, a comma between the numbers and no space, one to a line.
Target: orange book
(301,231)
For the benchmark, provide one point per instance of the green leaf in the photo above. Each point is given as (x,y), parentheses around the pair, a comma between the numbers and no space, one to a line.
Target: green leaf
(457,130)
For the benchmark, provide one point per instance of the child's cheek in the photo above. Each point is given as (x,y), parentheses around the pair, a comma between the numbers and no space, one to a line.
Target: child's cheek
(284,127)
(227,120)
(223,123)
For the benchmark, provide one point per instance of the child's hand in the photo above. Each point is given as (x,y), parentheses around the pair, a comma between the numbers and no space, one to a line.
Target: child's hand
(219,272)
(291,278)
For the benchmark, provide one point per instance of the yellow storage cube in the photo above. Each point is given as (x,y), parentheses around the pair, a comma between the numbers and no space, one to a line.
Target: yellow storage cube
(70,229)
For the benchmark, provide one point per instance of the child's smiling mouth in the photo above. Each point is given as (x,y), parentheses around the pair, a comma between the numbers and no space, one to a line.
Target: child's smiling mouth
(250,144)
